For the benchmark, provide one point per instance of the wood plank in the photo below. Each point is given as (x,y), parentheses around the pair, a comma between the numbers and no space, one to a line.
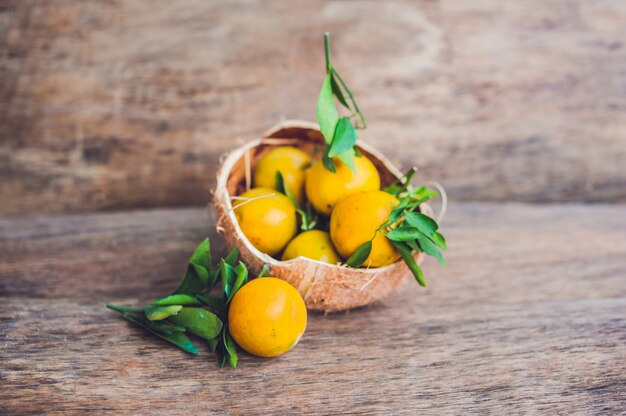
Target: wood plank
(109,105)
(527,318)
(510,252)
(402,357)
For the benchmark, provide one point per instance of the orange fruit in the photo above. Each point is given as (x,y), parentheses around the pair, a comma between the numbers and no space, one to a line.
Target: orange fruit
(290,161)
(354,221)
(325,188)
(267,317)
(313,244)
(268,219)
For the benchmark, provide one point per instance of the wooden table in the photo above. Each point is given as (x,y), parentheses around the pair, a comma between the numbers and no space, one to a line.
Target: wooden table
(528,317)
(111,105)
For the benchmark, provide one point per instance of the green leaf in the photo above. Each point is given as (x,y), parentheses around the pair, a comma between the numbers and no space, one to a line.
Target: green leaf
(345,137)
(191,283)
(328,161)
(439,240)
(403,234)
(197,274)
(327,116)
(401,184)
(282,187)
(360,254)
(213,343)
(309,217)
(202,254)
(422,222)
(158,313)
(228,278)
(232,257)
(230,349)
(123,309)
(338,92)
(163,331)
(398,210)
(427,226)
(216,304)
(423,192)
(279,182)
(407,256)
(414,246)
(178,299)
(240,280)
(265,271)
(221,352)
(201,272)
(347,157)
(198,321)
(214,276)
(194,281)
(170,327)
(429,248)
(354,104)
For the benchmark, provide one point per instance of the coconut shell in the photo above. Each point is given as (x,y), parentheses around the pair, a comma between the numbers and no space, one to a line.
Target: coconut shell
(323,286)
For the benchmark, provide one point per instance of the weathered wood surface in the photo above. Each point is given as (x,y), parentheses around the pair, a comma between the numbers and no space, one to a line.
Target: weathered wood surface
(528,318)
(107,105)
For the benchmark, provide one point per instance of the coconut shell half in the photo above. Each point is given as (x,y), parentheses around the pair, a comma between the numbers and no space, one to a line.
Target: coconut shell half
(323,286)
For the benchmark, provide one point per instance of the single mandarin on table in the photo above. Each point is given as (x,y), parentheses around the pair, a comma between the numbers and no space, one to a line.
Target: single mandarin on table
(267,317)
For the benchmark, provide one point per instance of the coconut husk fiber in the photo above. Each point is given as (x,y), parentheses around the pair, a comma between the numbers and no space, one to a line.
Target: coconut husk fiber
(324,287)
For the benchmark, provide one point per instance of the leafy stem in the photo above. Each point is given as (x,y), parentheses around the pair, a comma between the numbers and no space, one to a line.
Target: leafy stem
(192,309)
(339,132)
(407,228)
(357,111)
(327,51)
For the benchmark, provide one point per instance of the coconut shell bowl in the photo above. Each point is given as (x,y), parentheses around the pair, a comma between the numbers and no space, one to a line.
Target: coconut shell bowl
(324,287)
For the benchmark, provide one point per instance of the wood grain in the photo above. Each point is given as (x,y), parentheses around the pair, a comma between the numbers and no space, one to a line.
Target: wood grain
(528,318)
(127,104)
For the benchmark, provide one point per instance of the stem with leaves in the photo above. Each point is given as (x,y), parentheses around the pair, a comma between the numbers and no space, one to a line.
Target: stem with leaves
(407,228)
(339,132)
(191,309)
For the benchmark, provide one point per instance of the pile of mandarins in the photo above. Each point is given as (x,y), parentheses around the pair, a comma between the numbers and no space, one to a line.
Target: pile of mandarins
(349,207)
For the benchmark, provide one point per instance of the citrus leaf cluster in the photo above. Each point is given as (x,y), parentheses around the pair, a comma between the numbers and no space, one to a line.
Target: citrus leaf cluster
(192,309)
(339,133)
(407,228)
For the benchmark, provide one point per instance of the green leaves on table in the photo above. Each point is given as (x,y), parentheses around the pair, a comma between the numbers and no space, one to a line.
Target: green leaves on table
(232,279)
(192,309)
(196,277)
(339,133)
(198,321)
(169,333)
(178,299)
(157,313)
(230,349)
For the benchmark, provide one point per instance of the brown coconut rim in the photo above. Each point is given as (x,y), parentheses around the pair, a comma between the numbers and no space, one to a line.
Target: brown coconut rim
(324,287)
